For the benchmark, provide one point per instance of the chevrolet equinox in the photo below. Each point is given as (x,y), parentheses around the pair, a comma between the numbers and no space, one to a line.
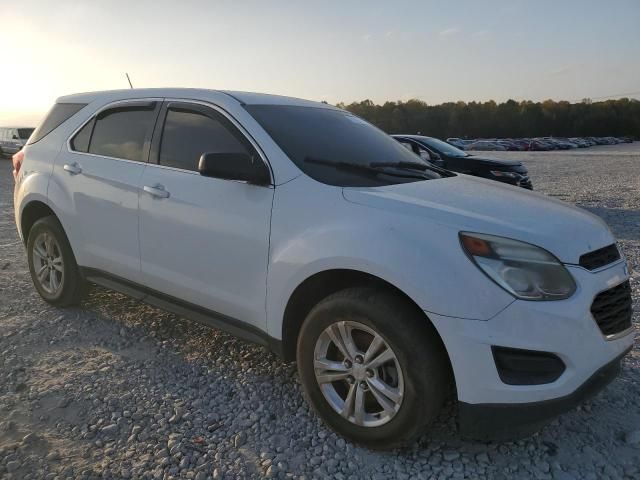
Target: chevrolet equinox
(302,227)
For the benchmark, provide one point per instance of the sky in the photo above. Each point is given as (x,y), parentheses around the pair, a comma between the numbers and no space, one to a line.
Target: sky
(337,51)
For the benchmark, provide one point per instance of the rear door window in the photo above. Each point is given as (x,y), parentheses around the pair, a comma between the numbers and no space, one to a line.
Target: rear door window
(121,132)
(190,132)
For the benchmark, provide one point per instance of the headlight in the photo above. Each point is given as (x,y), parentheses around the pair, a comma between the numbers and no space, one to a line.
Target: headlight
(524,270)
(500,173)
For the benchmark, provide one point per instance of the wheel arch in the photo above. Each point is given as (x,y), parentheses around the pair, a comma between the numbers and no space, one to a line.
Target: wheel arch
(31,213)
(322,284)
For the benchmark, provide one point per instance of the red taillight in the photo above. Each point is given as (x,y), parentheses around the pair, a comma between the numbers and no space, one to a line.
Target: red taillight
(17,163)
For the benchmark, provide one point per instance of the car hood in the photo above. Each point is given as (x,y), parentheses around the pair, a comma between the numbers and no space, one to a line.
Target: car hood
(466,203)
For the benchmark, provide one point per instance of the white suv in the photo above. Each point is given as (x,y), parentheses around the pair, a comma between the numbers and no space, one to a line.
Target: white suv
(302,227)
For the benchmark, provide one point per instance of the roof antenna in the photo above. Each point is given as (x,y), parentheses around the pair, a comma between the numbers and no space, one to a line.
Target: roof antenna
(128,79)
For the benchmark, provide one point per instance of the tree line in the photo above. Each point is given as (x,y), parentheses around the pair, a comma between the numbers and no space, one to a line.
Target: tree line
(509,119)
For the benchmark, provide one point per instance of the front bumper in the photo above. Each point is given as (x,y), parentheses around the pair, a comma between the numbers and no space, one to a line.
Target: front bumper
(508,421)
(524,181)
(565,328)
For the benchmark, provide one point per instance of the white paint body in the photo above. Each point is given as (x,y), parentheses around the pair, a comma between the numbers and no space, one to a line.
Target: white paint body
(241,250)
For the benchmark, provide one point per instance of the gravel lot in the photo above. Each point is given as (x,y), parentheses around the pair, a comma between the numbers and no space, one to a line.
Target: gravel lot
(117,389)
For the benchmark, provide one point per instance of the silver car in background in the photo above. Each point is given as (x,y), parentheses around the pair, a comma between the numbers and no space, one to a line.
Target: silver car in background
(12,139)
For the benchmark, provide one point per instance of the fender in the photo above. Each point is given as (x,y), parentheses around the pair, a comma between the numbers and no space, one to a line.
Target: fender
(36,197)
(399,249)
(36,183)
(35,173)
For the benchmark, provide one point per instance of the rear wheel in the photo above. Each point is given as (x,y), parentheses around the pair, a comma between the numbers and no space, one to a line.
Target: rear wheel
(372,366)
(52,264)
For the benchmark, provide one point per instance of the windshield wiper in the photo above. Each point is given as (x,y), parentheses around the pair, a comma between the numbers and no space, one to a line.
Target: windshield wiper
(415,166)
(375,168)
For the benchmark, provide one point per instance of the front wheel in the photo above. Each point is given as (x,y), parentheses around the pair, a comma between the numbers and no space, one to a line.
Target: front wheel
(52,264)
(372,366)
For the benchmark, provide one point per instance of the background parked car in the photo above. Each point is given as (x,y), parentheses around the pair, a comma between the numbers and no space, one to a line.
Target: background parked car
(12,139)
(538,145)
(457,142)
(534,144)
(486,145)
(447,156)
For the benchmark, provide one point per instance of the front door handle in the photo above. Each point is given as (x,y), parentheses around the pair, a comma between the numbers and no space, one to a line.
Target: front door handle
(156,190)
(72,168)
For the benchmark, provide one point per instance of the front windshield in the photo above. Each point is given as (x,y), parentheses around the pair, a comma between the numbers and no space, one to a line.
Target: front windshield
(444,147)
(315,137)
(25,133)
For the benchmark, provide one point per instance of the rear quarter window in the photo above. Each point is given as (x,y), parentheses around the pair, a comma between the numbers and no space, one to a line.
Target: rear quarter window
(80,142)
(59,113)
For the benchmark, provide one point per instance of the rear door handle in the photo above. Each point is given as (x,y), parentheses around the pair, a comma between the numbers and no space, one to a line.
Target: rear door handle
(72,168)
(156,190)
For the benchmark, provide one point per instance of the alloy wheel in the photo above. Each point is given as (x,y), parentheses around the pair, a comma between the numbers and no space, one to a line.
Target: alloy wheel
(358,374)
(48,263)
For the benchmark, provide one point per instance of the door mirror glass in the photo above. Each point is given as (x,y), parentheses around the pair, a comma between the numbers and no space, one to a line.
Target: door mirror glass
(234,166)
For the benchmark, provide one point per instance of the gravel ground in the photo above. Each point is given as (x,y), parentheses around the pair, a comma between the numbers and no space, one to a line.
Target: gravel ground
(118,389)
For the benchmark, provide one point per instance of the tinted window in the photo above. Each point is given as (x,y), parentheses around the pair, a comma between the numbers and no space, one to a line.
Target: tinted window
(80,142)
(60,113)
(188,134)
(443,147)
(121,132)
(408,145)
(309,135)
(25,133)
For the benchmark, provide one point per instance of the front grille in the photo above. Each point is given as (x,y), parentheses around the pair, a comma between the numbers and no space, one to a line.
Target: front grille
(612,309)
(601,257)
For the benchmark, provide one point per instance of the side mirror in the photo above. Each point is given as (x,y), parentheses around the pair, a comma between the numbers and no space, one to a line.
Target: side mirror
(435,156)
(15,137)
(234,166)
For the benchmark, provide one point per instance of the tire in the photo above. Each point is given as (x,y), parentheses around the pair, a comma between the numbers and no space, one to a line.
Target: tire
(418,392)
(69,286)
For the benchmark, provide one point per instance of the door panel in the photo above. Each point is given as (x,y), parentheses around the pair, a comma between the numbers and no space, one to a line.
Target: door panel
(95,186)
(100,210)
(207,243)
(204,240)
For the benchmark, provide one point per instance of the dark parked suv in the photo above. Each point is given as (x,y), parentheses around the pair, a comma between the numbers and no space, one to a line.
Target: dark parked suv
(447,156)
